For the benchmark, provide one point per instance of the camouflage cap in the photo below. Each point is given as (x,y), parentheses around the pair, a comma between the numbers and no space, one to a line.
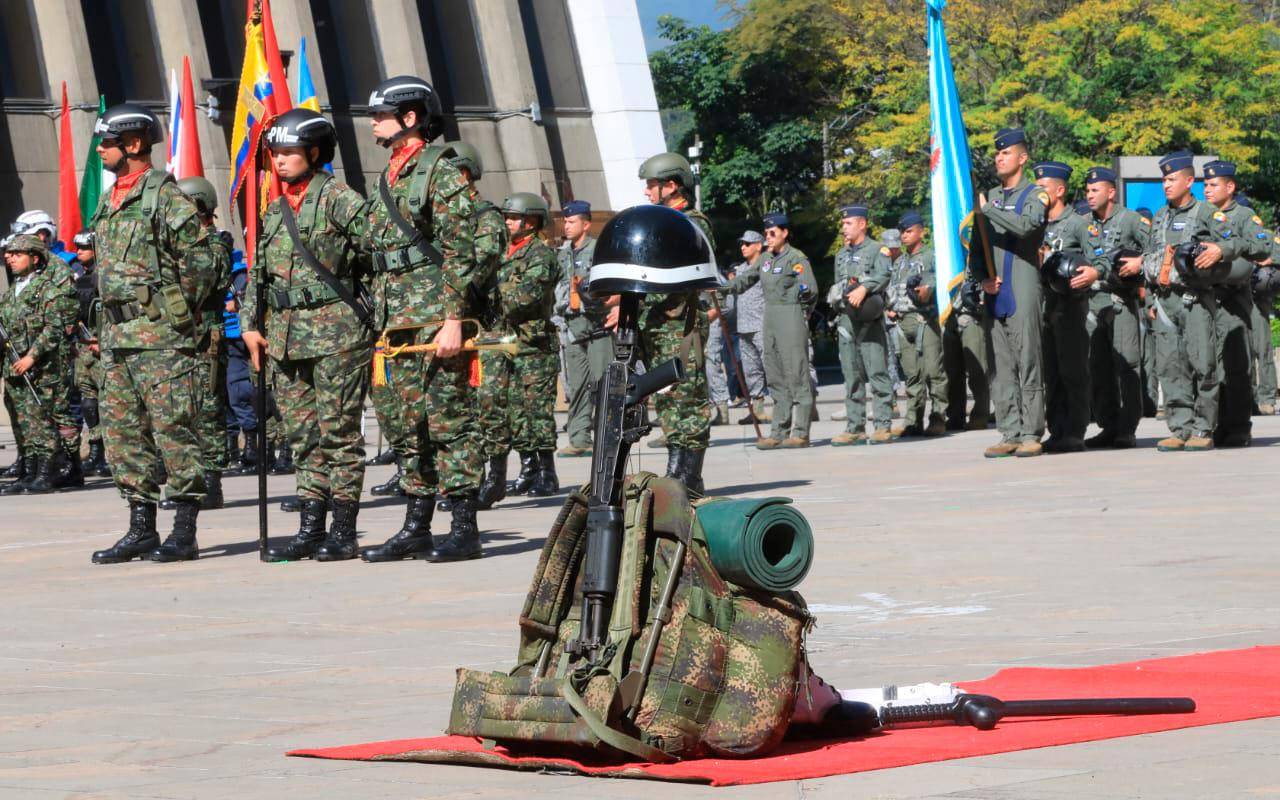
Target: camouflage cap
(27,243)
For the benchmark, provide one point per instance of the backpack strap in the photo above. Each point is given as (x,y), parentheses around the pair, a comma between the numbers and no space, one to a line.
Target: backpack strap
(420,250)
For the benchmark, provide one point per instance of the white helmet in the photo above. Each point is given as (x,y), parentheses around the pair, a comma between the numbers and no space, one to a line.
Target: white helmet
(34,222)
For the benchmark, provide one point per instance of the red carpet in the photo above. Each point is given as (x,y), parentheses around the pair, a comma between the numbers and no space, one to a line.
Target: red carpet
(1227,686)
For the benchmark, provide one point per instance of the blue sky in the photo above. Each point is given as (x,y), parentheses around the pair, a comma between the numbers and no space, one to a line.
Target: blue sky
(702,12)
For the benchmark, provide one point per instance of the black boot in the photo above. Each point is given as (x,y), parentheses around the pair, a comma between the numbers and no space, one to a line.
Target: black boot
(673,462)
(688,470)
(464,537)
(413,540)
(443,503)
(340,544)
(387,456)
(71,473)
(249,453)
(528,469)
(494,486)
(291,505)
(44,481)
(17,470)
(308,538)
(181,544)
(97,463)
(392,486)
(27,474)
(140,539)
(283,465)
(545,483)
(212,490)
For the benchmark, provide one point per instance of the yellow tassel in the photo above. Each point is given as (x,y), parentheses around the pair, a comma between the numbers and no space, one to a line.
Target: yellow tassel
(379,364)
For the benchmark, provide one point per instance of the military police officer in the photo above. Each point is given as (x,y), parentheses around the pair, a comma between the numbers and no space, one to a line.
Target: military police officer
(588,350)
(914,303)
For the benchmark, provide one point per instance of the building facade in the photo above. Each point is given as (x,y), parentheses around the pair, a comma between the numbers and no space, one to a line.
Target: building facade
(556,94)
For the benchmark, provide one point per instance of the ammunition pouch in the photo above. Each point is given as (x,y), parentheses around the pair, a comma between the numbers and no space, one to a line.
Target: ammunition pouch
(313,296)
(694,701)
(120,313)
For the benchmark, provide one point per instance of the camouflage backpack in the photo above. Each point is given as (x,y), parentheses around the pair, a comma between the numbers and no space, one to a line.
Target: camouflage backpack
(724,673)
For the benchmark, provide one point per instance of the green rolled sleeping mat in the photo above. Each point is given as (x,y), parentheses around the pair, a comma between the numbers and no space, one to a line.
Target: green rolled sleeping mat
(763,544)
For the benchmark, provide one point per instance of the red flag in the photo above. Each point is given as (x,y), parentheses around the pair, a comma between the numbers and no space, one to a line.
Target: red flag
(280,99)
(68,189)
(189,161)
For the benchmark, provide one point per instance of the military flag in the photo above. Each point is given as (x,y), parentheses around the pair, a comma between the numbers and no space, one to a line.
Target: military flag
(68,203)
(306,87)
(950,168)
(184,142)
(96,179)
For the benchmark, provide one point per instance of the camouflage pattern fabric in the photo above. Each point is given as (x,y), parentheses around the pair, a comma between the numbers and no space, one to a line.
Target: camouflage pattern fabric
(531,399)
(492,398)
(493,430)
(320,349)
(489,242)
(152,385)
(435,398)
(35,321)
(211,419)
(391,417)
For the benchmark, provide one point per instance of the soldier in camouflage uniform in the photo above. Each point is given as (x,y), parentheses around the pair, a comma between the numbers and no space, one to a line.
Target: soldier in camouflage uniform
(33,311)
(1186,338)
(1235,305)
(676,325)
(88,369)
(157,268)
(211,421)
(912,301)
(1066,316)
(1115,350)
(421,225)
(319,338)
(862,275)
(587,354)
(790,290)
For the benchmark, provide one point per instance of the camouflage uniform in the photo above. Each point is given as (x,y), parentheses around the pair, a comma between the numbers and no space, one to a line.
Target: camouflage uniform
(493,428)
(411,289)
(675,326)
(153,378)
(88,369)
(320,348)
(211,422)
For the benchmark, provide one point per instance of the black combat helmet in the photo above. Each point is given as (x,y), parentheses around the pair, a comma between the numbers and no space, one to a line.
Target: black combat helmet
(405,93)
(302,127)
(1115,256)
(652,249)
(1061,267)
(1191,276)
(1266,280)
(128,118)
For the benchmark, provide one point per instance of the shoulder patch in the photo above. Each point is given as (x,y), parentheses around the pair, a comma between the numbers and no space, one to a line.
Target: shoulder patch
(1219,216)
(1145,221)
(798,267)
(1043,198)
(884,251)
(1257,220)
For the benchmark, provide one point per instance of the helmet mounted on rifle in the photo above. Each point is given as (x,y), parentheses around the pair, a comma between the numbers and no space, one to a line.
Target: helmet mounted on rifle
(652,249)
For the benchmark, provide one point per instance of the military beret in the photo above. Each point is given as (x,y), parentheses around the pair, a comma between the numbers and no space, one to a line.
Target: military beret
(891,237)
(576,208)
(27,243)
(853,211)
(910,220)
(1052,169)
(1097,174)
(1145,213)
(751,237)
(1219,169)
(1008,137)
(776,220)
(1178,160)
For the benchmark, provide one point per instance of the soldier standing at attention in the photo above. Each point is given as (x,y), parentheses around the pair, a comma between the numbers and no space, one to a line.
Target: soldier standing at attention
(1115,351)
(749,318)
(1182,316)
(88,359)
(317,332)
(915,287)
(790,289)
(586,354)
(1235,304)
(157,268)
(1066,323)
(1013,215)
(421,226)
(863,272)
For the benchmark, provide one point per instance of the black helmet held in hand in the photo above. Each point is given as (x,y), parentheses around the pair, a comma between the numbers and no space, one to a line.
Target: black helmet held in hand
(302,127)
(1115,256)
(1061,267)
(1191,276)
(652,249)
(1266,280)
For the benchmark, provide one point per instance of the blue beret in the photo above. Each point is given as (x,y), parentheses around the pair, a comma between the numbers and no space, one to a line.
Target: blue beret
(1007,137)
(1052,169)
(910,219)
(776,220)
(853,211)
(1097,174)
(1219,169)
(575,208)
(1180,159)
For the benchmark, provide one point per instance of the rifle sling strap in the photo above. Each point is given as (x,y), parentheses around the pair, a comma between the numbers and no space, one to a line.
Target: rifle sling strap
(322,272)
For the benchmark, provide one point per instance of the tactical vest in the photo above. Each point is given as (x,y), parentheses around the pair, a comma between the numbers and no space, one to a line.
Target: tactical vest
(417,250)
(728,659)
(312,293)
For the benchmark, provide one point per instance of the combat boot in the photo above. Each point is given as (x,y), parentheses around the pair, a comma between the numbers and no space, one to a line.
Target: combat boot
(937,426)
(1001,450)
(181,544)
(847,438)
(794,442)
(291,505)
(913,429)
(1267,410)
(443,503)
(761,413)
(71,474)
(25,476)
(413,540)
(1064,444)
(308,538)
(1029,449)
(283,464)
(1172,444)
(249,454)
(212,490)
(528,469)
(1124,441)
(385,457)
(97,463)
(545,481)
(768,443)
(573,451)
(1103,438)
(688,470)
(233,452)
(464,537)
(881,436)
(138,542)
(44,481)
(494,486)
(340,544)
(392,486)
(1198,443)
(16,470)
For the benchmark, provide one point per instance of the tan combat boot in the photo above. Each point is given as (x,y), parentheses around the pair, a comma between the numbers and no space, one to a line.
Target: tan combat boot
(768,443)
(794,442)
(1267,411)
(1198,443)
(1001,450)
(1173,444)
(1029,449)
(881,436)
(573,451)
(846,438)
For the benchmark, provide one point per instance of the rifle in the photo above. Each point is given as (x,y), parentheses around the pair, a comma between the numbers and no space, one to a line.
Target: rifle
(13,356)
(620,422)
